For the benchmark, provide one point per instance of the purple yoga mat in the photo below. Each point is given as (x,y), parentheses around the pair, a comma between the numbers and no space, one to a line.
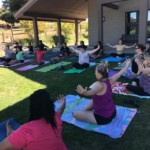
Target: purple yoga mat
(25,68)
(25,61)
(29,67)
(112,72)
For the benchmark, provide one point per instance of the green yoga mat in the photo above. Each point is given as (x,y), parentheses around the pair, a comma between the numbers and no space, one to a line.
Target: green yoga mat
(53,66)
(74,71)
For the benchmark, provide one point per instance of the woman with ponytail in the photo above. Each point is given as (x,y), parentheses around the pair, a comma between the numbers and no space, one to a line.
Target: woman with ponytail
(43,130)
(102,109)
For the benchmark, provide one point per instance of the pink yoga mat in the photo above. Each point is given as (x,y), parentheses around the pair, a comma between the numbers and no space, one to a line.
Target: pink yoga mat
(29,67)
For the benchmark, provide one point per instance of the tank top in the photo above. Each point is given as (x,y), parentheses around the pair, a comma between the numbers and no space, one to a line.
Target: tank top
(103,104)
(144,82)
(134,64)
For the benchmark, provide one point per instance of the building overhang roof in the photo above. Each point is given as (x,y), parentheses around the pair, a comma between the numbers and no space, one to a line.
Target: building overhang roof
(52,10)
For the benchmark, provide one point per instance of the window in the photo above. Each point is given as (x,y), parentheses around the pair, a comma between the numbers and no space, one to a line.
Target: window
(148,23)
(132,23)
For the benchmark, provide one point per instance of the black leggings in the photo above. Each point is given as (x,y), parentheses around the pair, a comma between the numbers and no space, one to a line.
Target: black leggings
(117,55)
(136,89)
(101,120)
(80,66)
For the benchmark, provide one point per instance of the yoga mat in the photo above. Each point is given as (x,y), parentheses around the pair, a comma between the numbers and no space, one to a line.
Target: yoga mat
(92,59)
(115,129)
(3,133)
(112,73)
(120,88)
(2,62)
(72,57)
(58,57)
(29,67)
(114,59)
(29,55)
(47,55)
(72,71)
(25,61)
(53,66)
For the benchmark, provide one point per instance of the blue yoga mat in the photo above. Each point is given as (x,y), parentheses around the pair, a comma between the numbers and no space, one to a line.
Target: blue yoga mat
(51,54)
(14,124)
(115,129)
(114,59)
(29,55)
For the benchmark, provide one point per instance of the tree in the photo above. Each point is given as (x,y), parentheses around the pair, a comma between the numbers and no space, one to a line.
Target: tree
(67,30)
(8,17)
(15,4)
(28,28)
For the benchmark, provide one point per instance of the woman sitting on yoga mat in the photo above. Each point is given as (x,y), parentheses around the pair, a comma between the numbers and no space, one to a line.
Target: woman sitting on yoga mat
(65,51)
(141,85)
(138,58)
(120,49)
(98,53)
(44,128)
(102,109)
(19,57)
(134,71)
(83,61)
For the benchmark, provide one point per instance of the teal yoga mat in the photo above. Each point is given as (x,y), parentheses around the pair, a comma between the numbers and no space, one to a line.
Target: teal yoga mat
(72,71)
(53,66)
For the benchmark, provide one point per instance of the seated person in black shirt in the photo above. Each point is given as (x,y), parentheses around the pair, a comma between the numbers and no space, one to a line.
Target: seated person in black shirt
(82,45)
(98,53)
(42,46)
(65,50)
(30,48)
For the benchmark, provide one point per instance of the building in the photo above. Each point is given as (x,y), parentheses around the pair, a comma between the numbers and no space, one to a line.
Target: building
(109,20)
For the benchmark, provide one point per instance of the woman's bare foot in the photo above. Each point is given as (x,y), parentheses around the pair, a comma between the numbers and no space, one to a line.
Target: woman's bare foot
(9,128)
(134,83)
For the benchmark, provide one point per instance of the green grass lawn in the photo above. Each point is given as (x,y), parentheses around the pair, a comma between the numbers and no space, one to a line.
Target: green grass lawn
(16,87)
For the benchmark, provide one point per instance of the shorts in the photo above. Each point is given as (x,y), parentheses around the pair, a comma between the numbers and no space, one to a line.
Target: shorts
(20,61)
(102,121)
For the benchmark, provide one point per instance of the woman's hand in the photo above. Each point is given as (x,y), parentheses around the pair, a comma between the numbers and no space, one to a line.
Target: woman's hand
(81,90)
(128,62)
(62,100)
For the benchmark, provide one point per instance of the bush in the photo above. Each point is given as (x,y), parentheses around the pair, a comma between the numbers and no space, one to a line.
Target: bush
(26,41)
(56,38)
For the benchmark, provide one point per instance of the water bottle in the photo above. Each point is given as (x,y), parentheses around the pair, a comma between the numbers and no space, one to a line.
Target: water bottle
(119,64)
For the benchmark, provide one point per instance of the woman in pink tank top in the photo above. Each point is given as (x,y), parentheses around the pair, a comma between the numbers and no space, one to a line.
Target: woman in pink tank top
(102,109)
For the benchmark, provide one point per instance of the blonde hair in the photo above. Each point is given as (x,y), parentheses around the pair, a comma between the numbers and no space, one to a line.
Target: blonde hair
(147,56)
(139,59)
(102,68)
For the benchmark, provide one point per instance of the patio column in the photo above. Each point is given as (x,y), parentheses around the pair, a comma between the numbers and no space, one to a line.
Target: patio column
(95,23)
(35,27)
(143,21)
(59,30)
(76,30)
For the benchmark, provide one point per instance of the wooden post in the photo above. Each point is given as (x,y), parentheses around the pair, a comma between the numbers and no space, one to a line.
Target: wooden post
(3,38)
(35,27)
(59,30)
(76,31)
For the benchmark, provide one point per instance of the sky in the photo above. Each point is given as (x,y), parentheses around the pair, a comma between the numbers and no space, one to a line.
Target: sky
(0,3)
